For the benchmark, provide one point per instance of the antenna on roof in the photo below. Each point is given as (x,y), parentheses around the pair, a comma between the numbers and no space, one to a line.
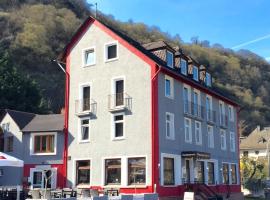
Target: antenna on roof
(96,10)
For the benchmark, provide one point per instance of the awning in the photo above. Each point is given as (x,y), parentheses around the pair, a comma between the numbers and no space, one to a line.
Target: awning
(9,161)
(195,154)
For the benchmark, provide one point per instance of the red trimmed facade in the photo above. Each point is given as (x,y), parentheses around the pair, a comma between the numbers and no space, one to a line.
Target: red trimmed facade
(155,70)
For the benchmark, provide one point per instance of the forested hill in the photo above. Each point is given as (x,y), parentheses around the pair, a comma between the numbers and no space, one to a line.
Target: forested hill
(34,32)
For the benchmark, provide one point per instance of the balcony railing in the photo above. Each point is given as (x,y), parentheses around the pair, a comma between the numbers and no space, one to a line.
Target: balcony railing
(193,109)
(119,102)
(85,107)
(211,115)
(223,120)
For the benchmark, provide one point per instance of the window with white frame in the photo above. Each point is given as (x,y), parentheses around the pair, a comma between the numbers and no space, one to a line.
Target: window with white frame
(210,136)
(188,133)
(195,71)
(83,172)
(43,143)
(85,130)
(231,113)
(209,114)
(223,139)
(233,174)
(211,173)
(136,171)
(169,59)
(225,173)
(196,103)
(168,171)
(222,113)
(113,171)
(186,98)
(168,87)
(232,141)
(183,66)
(118,126)
(89,57)
(111,51)
(170,126)
(208,80)
(85,95)
(198,133)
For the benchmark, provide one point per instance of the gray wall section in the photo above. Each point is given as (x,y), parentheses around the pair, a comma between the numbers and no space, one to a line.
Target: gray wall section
(137,126)
(11,176)
(178,145)
(43,159)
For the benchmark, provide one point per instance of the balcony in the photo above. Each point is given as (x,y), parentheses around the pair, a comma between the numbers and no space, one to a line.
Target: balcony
(85,107)
(119,102)
(211,116)
(194,110)
(223,120)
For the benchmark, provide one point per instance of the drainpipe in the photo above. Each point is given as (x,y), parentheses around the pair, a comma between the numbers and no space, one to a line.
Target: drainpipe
(155,139)
(65,152)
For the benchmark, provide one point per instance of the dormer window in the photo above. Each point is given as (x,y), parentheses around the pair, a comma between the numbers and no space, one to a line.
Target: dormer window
(195,73)
(183,64)
(169,59)
(208,80)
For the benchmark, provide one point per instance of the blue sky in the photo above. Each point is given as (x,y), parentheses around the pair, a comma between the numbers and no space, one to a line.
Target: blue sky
(228,22)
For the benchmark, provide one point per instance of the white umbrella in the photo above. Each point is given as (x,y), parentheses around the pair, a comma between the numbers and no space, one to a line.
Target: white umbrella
(6,160)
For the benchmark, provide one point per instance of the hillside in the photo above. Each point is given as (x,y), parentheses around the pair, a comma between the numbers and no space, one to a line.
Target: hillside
(35,33)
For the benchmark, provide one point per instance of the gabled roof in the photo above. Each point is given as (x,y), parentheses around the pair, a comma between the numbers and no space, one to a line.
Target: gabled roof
(44,123)
(256,140)
(142,49)
(19,117)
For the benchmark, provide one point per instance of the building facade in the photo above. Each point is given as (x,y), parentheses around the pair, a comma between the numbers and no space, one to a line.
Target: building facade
(144,118)
(38,140)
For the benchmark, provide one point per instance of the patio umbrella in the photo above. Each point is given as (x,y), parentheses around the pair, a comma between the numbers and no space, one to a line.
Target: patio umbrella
(10,161)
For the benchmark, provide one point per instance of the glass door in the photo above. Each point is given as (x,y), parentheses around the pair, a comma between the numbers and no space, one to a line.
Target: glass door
(119,92)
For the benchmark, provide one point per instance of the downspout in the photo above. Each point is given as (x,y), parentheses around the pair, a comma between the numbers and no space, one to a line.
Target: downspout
(65,151)
(155,136)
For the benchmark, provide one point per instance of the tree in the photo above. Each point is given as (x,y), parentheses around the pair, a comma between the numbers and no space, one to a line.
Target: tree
(17,91)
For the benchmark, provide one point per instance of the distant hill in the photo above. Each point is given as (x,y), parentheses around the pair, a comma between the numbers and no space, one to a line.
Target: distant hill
(34,34)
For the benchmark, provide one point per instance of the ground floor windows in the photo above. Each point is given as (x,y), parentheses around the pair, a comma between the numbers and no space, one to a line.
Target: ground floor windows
(113,171)
(168,171)
(83,172)
(233,174)
(211,173)
(136,171)
(200,171)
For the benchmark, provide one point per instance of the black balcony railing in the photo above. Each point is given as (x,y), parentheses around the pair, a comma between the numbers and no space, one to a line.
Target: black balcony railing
(85,106)
(120,101)
(193,109)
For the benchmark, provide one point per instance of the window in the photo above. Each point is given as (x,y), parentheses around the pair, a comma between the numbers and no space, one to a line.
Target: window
(211,173)
(232,141)
(111,51)
(210,135)
(44,144)
(119,92)
(118,121)
(83,172)
(231,114)
(233,174)
(209,108)
(136,171)
(222,113)
(198,132)
(196,97)
(169,171)
(183,66)
(188,133)
(245,153)
(195,73)
(85,130)
(113,171)
(168,87)
(85,98)
(89,57)
(10,144)
(169,59)
(223,139)
(208,80)
(225,173)
(186,96)
(170,126)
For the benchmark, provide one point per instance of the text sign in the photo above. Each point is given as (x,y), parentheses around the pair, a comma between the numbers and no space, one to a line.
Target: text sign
(189,196)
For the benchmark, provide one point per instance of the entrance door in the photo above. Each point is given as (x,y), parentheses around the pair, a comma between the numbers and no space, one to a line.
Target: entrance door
(39,178)
(200,171)
(187,163)
(119,92)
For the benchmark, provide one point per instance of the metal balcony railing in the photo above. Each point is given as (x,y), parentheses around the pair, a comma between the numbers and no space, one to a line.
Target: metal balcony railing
(211,115)
(193,109)
(223,120)
(119,101)
(85,106)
